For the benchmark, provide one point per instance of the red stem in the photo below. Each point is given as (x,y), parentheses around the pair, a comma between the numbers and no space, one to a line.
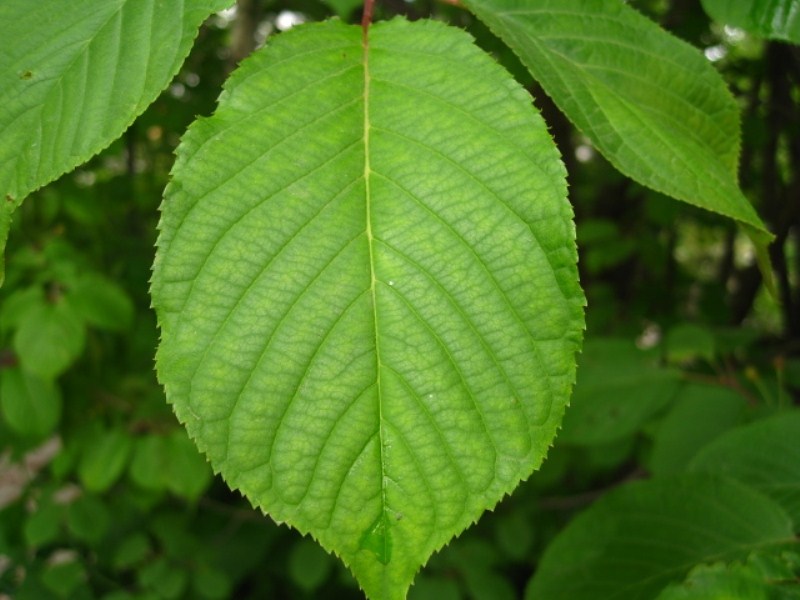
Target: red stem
(366,18)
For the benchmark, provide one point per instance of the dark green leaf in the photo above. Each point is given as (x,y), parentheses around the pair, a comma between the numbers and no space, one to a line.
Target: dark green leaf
(642,536)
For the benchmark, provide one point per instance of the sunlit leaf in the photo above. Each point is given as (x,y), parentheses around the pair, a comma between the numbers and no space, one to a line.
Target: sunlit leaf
(72,80)
(367,289)
(650,103)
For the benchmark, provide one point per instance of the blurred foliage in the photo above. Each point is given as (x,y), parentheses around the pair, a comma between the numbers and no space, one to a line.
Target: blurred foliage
(103,496)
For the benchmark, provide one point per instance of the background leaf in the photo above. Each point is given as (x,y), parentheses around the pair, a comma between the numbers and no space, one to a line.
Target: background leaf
(619,388)
(72,81)
(31,404)
(775,19)
(700,414)
(367,289)
(650,103)
(640,537)
(774,469)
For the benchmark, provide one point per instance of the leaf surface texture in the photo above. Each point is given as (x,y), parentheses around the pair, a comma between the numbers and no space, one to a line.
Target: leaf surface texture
(649,102)
(367,289)
(74,77)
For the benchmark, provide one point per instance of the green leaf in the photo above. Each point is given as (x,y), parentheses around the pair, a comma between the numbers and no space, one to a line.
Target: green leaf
(726,582)
(367,289)
(102,303)
(619,388)
(650,103)
(764,454)
(187,471)
(775,19)
(644,535)
(309,565)
(72,81)
(31,404)
(88,518)
(104,459)
(700,414)
(49,338)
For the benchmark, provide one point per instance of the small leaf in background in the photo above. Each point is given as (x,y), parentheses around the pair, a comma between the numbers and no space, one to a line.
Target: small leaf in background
(309,565)
(43,523)
(102,303)
(88,518)
(734,581)
(429,588)
(164,578)
(764,455)
(514,535)
(699,414)
(367,289)
(31,404)
(619,388)
(19,302)
(49,338)
(649,102)
(104,458)
(148,463)
(774,19)
(213,584)
(64,574)
(73,81)
(187,471)
(688,342)
(131,551)
(642,536)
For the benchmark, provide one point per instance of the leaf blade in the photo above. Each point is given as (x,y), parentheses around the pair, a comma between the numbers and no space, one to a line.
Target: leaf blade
(354,302)
(650,103)
(73,81)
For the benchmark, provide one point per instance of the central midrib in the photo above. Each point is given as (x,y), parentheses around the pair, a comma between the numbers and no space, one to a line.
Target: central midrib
(373,279)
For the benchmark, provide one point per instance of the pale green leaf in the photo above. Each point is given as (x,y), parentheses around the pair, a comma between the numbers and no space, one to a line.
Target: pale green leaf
(764,454)
(650,103)
(776,19)
(367,289)
(642,536)
(102,303)
(104,458)
(31,404)
(72,81)
(49,338)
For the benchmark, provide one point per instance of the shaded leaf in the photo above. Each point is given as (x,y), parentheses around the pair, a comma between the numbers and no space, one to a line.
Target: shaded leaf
(49,338)
(619,388)
(700,414)
(642,536)
(31,404)
(366,285)
(104,459)
(764,454)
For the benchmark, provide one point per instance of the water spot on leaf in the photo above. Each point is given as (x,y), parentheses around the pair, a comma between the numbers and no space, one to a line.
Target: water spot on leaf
(378,539)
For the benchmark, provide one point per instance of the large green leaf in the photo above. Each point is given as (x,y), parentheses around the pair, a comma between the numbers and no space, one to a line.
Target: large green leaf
(642,536)
(765,455)
(367,290)
(776,19)
(74,76)
(649,102)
